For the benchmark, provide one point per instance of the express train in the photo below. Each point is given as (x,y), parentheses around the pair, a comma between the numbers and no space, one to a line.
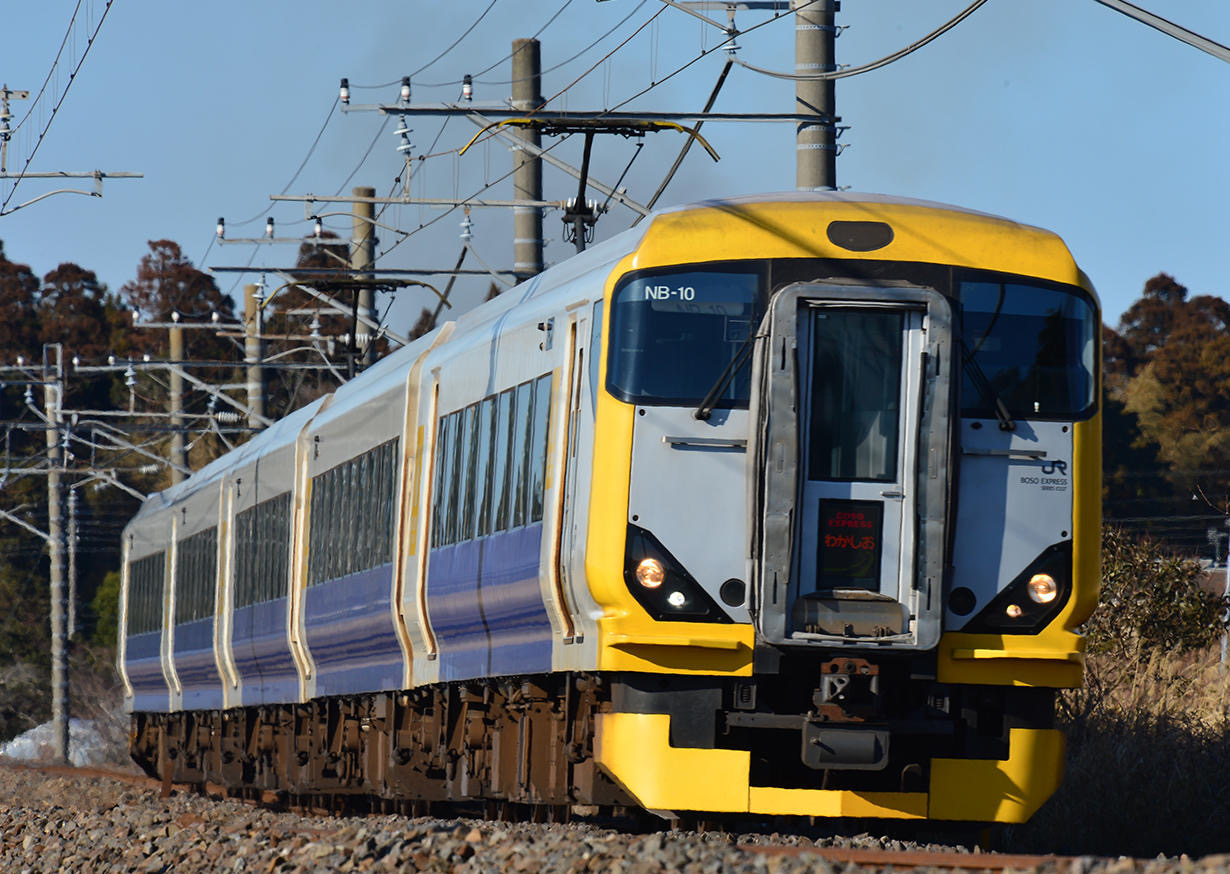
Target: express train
(772,505)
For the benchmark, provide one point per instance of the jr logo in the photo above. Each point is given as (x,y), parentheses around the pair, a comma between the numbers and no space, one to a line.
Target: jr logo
(1050,467)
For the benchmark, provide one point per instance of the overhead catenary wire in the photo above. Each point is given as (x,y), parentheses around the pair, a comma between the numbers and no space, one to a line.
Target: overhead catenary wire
(51,72)
(370,146)
(569,60)
(874,65)
(495,64)
(457,41)
(72,77)
(311,150)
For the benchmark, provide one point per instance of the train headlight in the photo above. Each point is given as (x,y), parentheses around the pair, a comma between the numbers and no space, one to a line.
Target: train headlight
(662,585)
(1031,601)
(651,574)
(1043,589)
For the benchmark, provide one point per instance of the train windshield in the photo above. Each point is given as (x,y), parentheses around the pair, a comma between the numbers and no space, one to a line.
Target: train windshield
(673,335)
(1031,347)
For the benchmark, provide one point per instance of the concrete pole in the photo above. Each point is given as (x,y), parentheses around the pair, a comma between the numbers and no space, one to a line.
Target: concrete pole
(362,259)
(527,170)
(816,143)
(254,354)
(72,563)
(59,626)
(175,405)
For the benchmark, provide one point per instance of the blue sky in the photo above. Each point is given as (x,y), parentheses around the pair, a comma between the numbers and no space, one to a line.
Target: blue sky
(1058,113)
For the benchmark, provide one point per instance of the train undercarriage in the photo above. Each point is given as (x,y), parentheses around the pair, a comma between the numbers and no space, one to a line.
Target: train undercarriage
(861,728)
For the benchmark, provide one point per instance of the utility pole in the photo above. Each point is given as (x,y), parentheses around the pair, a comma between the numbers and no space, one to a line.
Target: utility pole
(527,169)
(814,35)
(72,562)
(6,115)
(254,354)
(362,259)
(179,460)
(52,383)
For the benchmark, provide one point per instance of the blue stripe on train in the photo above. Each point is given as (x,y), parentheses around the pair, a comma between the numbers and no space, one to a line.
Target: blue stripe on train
(143,663)
(486,608)
(351,633)
(262,654)
(196,666)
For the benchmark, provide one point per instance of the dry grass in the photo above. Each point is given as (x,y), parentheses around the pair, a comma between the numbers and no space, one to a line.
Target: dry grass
(1148,765)
(97,694)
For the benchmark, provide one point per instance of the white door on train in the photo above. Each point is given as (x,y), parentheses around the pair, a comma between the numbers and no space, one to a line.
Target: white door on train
(857,502)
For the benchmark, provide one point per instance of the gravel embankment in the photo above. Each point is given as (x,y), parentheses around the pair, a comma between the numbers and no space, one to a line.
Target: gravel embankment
(91,824)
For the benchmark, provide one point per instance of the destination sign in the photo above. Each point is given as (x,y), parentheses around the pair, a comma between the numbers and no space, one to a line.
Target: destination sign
(850,544)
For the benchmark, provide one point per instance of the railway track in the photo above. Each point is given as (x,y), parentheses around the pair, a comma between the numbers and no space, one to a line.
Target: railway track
(185,809)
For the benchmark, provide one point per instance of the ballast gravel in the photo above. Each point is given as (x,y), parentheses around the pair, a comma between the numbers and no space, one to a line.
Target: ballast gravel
(80,823)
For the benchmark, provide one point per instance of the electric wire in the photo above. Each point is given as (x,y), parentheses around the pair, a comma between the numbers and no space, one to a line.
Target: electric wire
(874,65)
(569,60)
(370,146)
(475,77)
(311,150)
(720,46)
(491,67)
(605,57)
(457,41)
(653,84)
(72,77)
(462,203)
(50,72)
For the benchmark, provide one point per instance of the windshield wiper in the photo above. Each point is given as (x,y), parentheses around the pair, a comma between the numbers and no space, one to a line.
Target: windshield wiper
(736,364)
(985,390)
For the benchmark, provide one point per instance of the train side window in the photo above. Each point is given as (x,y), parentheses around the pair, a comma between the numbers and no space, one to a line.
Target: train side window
(239,574)
(260,552)
(482,471)
(437,489)
(345,512)
(145,580)
(386,495)
(281,543)
(519,475)
(595,351)
(538,444)
(333,556)
(196,573)
(360,484)
(314,531)
(500,468)
(455,473)
(324,525)
(322,528)
(465,489)
(262,540)
(256,533)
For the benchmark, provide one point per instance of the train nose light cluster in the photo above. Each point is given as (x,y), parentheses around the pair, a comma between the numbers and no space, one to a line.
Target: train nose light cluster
(651,574)
(1042,588)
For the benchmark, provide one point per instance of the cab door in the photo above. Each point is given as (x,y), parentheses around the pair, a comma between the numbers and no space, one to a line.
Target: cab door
(850,453)
(857,504)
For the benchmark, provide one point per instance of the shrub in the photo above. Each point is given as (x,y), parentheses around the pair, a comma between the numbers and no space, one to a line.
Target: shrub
(1151,602)
(106,610)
